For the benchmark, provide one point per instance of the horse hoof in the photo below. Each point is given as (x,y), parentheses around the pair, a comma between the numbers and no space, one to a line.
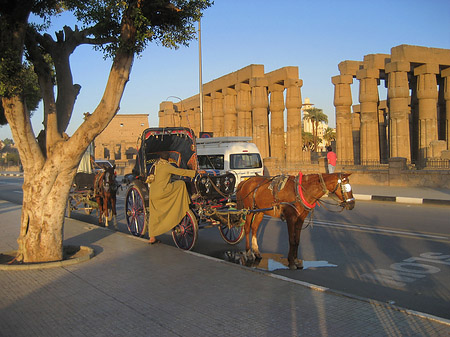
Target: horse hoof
(299,263)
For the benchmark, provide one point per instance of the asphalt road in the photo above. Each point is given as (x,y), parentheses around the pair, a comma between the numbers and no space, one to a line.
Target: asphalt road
(389,252)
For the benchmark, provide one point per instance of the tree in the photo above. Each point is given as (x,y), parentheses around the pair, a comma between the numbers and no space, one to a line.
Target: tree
(121,29)
(329,135)
(316,116)
(308,140)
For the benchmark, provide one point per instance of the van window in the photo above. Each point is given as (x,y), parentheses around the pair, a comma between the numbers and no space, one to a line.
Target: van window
(245,161)
(210,162)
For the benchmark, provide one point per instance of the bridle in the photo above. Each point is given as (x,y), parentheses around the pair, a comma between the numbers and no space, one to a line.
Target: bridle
(345,188)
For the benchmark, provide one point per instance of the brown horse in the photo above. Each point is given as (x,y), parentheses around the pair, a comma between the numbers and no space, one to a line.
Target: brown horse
(289,198)
(105,191)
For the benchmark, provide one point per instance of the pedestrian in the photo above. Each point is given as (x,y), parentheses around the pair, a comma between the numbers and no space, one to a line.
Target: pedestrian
(331,157)
(168,201)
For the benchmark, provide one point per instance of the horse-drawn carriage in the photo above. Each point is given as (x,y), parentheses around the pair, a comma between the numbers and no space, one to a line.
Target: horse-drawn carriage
(95,191)
(211,194)
(216,202)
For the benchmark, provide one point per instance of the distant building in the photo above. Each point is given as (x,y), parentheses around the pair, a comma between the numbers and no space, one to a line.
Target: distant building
(119,141)
(308,126)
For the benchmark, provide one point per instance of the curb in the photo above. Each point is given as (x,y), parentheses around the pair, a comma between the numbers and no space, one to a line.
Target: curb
(11,174)
(86,253)
(402,200)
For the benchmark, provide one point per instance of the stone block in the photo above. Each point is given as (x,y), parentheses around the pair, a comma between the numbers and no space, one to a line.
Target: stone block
(397,163)
(437,147)
(376,61)
(259,82)
(368,73)
(428,68)
(349,67)
(445,72)
(397,66)
(342,79)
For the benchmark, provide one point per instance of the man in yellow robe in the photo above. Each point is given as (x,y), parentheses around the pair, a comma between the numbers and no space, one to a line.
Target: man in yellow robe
(169,201)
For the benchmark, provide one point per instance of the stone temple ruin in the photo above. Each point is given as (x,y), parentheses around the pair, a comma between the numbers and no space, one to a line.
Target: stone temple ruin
(241,104)
(413,122)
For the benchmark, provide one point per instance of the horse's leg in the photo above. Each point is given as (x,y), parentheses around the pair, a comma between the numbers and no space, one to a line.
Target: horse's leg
(298,231)
(255,225)
(105,208)
(294,223)
(113,207)
(248,222)
(99,204)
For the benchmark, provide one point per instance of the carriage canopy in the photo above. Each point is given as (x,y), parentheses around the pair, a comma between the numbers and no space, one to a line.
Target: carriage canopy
(178,141)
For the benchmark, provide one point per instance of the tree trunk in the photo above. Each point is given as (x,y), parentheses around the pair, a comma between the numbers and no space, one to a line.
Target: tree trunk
(44,201)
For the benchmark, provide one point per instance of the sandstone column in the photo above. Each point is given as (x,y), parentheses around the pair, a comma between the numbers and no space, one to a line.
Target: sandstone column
(343,105)
(445,74)
(368,98)
(427,95)
(244,110)
(229,110)
(207,114)
(294,144)
(217,114)
(171,117)
(196,124)
(398,95)
(277,146)
(259,111)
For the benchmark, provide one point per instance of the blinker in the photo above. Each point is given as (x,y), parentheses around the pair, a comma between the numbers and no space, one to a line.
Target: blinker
(346,188)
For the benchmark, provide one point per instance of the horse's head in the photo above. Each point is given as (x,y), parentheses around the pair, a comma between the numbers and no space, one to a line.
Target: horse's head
(109,179)
(343,191)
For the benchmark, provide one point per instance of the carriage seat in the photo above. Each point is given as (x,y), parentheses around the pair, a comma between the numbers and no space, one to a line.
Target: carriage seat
(84,181)
(212,186)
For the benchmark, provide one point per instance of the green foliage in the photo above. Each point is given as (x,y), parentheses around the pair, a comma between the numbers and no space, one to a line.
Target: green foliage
(8,141)
(169,23)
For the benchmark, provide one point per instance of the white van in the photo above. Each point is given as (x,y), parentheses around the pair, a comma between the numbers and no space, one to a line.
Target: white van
(233,154)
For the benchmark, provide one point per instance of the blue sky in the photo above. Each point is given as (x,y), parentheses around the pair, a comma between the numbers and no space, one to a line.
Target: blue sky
(314,35)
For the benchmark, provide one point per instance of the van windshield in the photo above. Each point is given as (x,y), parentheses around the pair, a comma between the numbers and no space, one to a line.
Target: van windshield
(245,161)
(214,162)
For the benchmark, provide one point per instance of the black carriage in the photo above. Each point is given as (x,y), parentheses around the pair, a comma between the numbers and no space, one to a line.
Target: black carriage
(212,195)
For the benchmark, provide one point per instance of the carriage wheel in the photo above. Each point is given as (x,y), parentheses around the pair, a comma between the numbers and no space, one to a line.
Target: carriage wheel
(186,232)
(135,211)
(231,234)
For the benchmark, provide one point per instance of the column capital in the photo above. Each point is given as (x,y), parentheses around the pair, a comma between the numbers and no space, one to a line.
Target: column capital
(292,82)
(398,66)
(342,79)
(428,68)
(243,87)
(276,87)
(217,95)
(229,91)
(445,72)
(367,73)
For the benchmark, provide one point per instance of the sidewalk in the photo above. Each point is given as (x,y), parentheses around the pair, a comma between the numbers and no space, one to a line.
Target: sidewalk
(133,289)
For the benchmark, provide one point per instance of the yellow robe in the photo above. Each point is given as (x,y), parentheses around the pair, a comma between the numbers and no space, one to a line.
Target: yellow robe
(168,201)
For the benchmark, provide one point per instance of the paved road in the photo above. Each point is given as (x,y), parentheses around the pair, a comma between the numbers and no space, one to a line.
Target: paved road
(380,250)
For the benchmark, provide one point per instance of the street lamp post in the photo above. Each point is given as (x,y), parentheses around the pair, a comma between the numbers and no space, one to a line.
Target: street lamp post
(200,73)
